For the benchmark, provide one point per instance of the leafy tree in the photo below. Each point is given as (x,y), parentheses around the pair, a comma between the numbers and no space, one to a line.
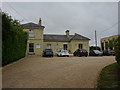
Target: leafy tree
(117,49)
(14,40)
(94,48)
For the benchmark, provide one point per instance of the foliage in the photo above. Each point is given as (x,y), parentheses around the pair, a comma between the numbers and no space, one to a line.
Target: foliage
(111,45)
(14,40)
(94,48)
(117,49)
(109,77)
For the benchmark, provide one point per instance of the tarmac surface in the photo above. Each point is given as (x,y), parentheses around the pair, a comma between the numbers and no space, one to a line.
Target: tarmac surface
(56,72)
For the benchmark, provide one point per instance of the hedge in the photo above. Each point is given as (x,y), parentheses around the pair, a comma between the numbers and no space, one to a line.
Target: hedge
(14,40)
(117,50)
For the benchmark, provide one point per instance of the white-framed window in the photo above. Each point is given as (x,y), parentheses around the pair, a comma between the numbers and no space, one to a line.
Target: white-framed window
(48,46)
(80,46)
(31,47)
(65,46)
(31,33)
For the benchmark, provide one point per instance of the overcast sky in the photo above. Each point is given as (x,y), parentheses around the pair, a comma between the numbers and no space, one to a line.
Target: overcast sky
(80,17)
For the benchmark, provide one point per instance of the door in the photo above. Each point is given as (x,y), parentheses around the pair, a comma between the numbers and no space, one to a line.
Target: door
(31,47)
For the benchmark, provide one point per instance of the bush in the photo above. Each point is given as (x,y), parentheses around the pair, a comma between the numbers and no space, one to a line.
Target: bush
(117,49)
(14,40)
(94,48)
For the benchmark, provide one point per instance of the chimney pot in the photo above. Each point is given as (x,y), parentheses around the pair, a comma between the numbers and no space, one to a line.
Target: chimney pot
(67,33)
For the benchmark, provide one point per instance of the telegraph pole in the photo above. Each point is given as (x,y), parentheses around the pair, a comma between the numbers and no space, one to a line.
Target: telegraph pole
(96,39)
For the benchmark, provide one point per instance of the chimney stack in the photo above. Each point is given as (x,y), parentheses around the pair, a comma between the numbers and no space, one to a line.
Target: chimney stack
(40,22)
(67,33)
(75,34)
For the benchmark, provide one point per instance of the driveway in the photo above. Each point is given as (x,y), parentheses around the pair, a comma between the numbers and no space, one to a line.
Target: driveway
(56,72)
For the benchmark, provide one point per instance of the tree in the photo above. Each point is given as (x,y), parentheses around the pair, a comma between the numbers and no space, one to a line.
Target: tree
(117,49)
(14,40)
(94,48)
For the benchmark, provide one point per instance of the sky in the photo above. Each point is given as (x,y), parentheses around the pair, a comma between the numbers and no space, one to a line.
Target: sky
(78,17)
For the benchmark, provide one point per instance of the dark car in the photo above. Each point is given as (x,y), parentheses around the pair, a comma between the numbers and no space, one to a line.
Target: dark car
(108,52)
(48,53)
(95,53)
(80,52)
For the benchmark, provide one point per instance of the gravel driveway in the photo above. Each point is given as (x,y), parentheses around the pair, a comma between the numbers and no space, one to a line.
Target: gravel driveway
(56,72)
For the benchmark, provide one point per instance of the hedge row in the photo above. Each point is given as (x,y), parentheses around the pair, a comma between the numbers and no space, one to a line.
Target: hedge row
(14,40)
(117,50)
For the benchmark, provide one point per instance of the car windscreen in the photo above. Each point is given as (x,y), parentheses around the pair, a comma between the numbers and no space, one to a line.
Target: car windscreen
(96,51)
(84,50)
(48,50)
(64,51)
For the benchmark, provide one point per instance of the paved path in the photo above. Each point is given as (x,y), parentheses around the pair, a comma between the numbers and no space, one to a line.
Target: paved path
(56,72)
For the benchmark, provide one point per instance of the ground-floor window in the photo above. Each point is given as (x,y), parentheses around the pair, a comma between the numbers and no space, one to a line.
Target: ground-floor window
(80,46)
(102,46)
(65,47)
(31,47)
(48,46)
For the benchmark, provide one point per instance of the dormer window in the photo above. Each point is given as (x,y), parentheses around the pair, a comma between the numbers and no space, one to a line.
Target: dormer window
(31,33)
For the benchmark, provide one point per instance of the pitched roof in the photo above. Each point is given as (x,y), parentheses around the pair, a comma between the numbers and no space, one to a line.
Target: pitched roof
(32,25)
(63,38)
(79,37)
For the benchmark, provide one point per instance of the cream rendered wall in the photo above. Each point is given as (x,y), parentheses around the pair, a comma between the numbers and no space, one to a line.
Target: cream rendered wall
(74,45)
(107,39)
(37,39)
(54,46)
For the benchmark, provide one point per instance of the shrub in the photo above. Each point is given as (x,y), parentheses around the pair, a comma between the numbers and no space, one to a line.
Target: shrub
(94,48)
(117,49)
(14,40)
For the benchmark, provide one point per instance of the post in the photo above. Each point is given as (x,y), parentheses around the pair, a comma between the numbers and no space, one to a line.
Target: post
(96,39)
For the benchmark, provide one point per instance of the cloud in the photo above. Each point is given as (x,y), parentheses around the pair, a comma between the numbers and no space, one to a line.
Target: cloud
(81,17)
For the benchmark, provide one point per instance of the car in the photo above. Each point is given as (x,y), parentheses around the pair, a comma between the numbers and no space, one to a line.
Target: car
(95,53)
(62,53)
(48,53)
(80,52)
(108,52)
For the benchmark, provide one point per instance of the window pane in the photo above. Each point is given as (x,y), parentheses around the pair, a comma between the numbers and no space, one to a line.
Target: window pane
(80,46)
(65,46)
(31,47)
(31,33)
(48,46)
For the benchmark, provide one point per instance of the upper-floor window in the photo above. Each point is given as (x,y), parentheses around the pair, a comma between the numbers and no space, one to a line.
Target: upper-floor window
(31,33)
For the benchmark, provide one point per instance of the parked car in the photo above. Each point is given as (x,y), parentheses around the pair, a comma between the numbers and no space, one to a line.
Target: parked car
(48,53)
(62,53)
(109,52)
(95,53)
(80,52)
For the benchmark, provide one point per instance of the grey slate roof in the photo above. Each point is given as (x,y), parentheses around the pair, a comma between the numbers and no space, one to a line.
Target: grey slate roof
(64,38)
(79,37)
(32,25)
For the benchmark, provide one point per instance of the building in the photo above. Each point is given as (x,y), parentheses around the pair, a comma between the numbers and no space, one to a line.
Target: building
(38,41)
(105,42)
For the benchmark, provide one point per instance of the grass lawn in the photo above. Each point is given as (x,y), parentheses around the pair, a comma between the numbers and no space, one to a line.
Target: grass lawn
(109,77)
